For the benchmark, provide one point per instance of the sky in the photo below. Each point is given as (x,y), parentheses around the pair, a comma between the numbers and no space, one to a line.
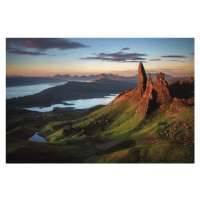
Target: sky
(85,56)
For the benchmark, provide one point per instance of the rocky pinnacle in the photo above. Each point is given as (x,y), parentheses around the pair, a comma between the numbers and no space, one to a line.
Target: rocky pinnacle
(142,77)
(152,95)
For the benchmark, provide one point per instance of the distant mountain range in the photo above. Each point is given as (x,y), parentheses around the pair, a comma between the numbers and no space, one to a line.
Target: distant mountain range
(23,80)
(116,77)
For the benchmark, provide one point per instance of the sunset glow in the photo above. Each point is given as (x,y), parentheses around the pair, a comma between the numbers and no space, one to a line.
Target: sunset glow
(85,56)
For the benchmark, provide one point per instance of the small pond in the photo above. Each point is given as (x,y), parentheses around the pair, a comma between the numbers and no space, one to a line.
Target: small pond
(37,138)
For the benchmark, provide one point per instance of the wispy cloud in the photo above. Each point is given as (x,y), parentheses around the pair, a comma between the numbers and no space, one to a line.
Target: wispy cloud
(42,43)
(173,56)
(155,59)
(118,57)
(31,53)
(177,60)
(126,48)
(26,53)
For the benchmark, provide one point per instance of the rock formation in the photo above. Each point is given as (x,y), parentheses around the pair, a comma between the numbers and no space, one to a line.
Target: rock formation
(142,78)
(176,107)
(149,96)
(161,88)
(152,95)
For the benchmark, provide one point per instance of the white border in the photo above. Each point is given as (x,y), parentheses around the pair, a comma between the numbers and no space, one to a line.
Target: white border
(99,19)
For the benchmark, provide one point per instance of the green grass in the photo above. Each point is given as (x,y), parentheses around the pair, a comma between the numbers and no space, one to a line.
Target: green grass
(163,152)
(111,134)
(22,132)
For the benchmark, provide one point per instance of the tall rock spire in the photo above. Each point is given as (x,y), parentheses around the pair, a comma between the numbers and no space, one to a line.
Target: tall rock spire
(142,77)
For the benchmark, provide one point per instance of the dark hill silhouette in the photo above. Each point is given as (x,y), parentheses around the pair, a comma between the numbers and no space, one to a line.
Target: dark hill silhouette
(182,89)
(72,90)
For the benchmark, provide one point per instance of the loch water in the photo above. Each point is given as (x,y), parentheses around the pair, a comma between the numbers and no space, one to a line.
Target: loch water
(77,104)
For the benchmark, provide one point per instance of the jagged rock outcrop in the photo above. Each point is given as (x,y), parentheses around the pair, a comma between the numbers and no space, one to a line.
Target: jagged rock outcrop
(162,91)
(149,96)
(189,102)
(176,107)
(154,94)
(182,89)
(190,79)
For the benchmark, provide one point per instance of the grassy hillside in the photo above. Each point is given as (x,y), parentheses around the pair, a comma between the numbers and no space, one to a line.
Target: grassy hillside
(110,134)
(138,142)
